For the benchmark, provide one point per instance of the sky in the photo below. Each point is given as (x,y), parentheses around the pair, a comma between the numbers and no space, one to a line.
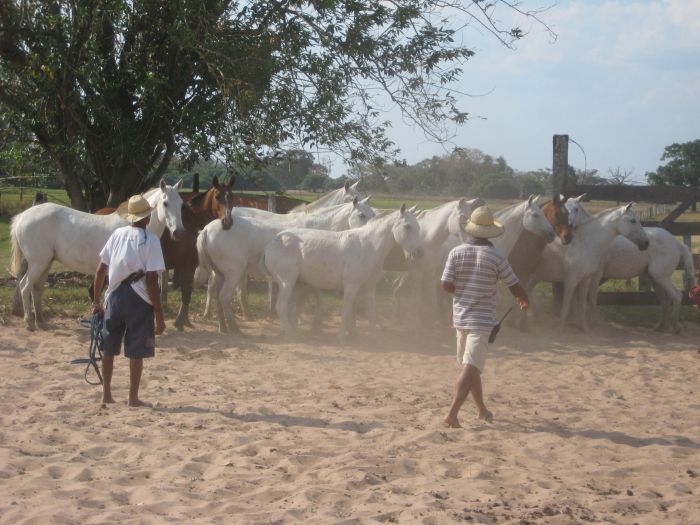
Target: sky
(622,79)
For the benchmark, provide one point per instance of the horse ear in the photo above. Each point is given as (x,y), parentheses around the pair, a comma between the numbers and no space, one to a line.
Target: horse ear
(629,207)
(563,198)
(354,186)
(355,201)
(532,198)
(402,210)
(215,182)
(366,199)
(346,185)
(231,181)
(178,185)
(581,197)
(162,184)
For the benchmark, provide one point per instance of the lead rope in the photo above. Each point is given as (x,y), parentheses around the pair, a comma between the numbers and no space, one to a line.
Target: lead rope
(95,350)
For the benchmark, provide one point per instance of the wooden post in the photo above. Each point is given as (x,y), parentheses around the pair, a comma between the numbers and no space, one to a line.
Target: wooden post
(560,171)
(687,278)
(195,183)
(271,202)
(560,163)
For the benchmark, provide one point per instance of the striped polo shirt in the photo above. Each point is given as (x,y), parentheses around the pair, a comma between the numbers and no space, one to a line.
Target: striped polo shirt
(475,269)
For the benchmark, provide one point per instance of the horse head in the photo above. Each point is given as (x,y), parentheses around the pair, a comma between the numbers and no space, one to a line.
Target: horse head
(535,221)
(577,213)
(406,232)
(629,226)
(557,214)
(222,201)
(361,213)
(462,213)
(167,208)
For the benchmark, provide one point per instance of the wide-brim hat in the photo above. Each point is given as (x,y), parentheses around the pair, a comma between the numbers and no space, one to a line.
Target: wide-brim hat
(135,209)
(481,224)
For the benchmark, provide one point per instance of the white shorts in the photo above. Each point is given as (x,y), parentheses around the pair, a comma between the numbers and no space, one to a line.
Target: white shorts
(471,347)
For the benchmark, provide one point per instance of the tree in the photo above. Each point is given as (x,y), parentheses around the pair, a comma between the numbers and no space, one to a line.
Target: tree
(619,176)
(114,89)
(682,166)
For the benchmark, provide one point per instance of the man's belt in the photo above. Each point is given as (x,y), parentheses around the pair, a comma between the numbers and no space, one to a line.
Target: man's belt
(133,277)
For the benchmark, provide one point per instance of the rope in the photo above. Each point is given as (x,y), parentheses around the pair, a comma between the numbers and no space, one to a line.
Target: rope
(95,350)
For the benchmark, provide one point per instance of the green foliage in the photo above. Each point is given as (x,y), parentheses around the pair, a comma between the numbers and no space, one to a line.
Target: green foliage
(682,166)
(113,90)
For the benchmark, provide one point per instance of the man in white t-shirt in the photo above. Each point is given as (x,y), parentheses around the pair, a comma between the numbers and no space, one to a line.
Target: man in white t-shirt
(131,259)
(471,273)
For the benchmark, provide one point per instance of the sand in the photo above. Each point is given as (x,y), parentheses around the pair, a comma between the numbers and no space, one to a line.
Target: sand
(597,428)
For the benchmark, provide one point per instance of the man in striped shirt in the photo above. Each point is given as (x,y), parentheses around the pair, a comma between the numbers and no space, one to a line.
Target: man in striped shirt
(471,273)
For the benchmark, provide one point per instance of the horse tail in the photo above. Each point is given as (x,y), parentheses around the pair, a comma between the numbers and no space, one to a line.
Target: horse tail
(687,263)
(205,267)
(16,255)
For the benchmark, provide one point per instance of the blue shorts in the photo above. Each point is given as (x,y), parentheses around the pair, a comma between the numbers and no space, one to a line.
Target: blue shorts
(128,317)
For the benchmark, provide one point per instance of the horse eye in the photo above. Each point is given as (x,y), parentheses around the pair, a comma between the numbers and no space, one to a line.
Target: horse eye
(362,215)
(165,203)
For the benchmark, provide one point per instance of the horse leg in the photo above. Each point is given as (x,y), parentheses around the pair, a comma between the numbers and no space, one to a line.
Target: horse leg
(32,275)
(164,276)
(214,286)
(317,322)
(582,299)
(347,311)
(397,287)
(37,293)
(226,294)
(243,298)
(211,294)
(370,299)
(17,309)
(673,299)
(569,288)
(284,295)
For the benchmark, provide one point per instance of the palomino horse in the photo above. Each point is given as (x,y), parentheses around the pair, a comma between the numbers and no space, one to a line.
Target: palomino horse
(625,261)
(351,260)
(233,255)
(526,255)
(47,233)
(577,263)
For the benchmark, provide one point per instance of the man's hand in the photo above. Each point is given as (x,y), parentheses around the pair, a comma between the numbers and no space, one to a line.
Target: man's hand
(160,325)
(98,309)
(523,302)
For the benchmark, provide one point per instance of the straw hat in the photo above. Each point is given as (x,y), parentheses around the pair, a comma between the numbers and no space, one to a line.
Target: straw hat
(482,225)
(135,209)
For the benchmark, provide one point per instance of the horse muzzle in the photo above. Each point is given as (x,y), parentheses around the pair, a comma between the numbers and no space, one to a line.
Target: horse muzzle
(643,245)
(178,234)
(227,222)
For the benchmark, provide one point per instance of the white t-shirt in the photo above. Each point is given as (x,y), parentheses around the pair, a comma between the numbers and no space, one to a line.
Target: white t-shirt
(128,250)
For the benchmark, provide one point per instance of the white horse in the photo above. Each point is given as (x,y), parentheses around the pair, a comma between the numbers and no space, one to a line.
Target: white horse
(340,196)
(625,261)
(351,260)
(235,253)
(577,263)
(436,225)
(50,232)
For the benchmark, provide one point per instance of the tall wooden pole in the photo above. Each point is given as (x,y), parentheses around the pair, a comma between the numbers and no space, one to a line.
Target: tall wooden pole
(560,170)
(560,163)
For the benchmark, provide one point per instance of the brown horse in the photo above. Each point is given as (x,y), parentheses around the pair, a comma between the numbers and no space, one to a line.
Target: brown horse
(181,255)
(526,255)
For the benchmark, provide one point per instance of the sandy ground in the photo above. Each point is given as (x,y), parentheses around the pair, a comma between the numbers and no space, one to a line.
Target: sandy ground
(598,428)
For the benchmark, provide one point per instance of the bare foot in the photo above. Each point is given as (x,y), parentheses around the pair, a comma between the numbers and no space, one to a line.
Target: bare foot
(486,415)
(138,403)
(451,422)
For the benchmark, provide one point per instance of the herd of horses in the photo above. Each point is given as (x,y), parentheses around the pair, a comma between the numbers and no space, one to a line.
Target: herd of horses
(340,242)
